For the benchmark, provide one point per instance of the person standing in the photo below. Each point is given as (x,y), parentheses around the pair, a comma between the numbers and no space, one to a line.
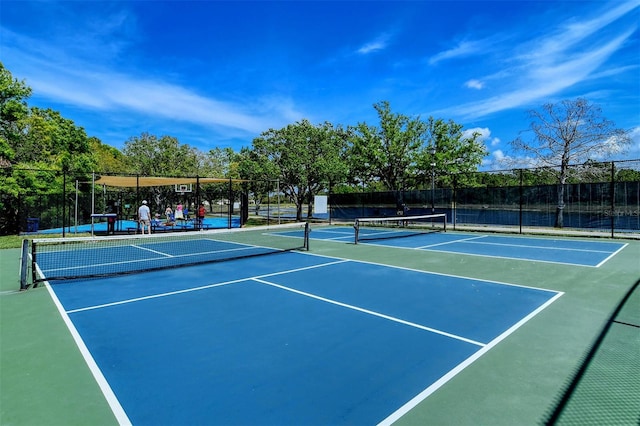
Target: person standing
(144,217)
(179,214)
(201,214)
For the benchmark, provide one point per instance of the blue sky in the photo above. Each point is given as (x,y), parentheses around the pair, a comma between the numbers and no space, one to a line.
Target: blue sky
(218,73)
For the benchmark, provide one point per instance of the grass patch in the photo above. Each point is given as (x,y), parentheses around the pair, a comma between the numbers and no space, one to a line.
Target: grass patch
(12,241)
(15,241)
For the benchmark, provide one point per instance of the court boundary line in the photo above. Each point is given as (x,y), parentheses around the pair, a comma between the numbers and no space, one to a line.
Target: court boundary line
(449,242)
(369,312)
(151,250)
(538,247)
(412,403)
(203,287)
(343,235)
(112,400)
(485,255)
(612,255)
(435,273)
(123,419)
(427,248)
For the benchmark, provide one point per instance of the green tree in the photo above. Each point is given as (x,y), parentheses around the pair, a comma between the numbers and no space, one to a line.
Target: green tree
(149,155)
(108,158)
(389,153)
(448,151)
(260,172)
(304,157)
(56,141)
(218,163)
(571,131)
(13,111)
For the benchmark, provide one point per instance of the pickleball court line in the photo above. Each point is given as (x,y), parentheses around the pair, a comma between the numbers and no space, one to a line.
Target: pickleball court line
(347,234)
(433,246)
(412,403)
(537,247)
(526,259)
(367,311)
(491,256)
(462,240)
(204,287)
(611,255)
(366,262)
(161,253)
(103,384)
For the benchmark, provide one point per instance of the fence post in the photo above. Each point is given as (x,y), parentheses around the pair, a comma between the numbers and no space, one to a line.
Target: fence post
(613,198)
(454,210)
(64,199)
(24,265)
(521,193)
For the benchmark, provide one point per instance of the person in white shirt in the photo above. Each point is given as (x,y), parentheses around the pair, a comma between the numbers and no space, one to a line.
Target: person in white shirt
(144,217)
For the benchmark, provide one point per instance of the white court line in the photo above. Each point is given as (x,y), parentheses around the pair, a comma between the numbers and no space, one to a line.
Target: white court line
(204,287)
(452,373)
(525,259)
(612,254)
(428,247)
(123,419)
(346,231)
(109,395)
(366,311)
(452,242)
(432,272)
(539,247)
(343,235)
(152,251)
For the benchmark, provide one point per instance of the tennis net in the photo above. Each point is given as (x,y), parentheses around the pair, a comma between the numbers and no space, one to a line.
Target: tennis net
(378,228)
(88,257)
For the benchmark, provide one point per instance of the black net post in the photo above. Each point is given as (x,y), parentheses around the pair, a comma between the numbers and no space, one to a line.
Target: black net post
(24,265)
(307,231)
(356,227)
(34,277)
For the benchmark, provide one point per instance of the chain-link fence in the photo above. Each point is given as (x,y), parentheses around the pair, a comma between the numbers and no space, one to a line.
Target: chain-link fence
(594,196)
(84,199)
(599,196)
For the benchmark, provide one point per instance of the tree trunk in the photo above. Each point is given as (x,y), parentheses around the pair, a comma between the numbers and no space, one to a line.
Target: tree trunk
(310,207)
(299,210)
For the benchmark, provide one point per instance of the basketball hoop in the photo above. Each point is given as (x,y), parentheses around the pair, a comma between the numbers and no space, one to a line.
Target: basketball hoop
(182,188)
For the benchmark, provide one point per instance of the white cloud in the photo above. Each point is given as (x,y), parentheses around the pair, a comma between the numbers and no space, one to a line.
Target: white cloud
(372,47)
(552,63)
(498,160)
(463,49)
(73,81)
(485,135)
(474,84)
(634,148)
(380,43)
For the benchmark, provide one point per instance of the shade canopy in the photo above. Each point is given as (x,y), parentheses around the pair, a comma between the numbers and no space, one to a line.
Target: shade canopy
(138,181)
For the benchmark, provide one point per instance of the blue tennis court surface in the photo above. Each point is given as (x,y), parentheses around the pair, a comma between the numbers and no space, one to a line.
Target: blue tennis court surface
(289,338)
(566,251)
